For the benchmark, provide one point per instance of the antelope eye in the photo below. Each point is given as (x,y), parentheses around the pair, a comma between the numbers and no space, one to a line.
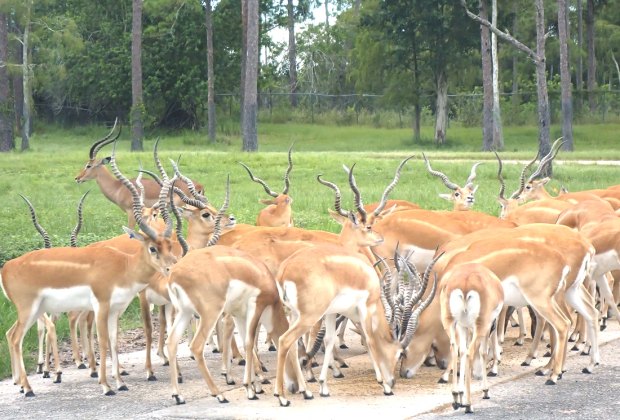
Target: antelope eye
(206,215)
(88,166)
(152,250)
(457,194)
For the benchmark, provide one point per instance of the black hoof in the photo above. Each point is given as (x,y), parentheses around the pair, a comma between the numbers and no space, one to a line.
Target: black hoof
(265,382)
(518,344)
(262,391)
(560,375)
(124,373)
(123,388)
(29,394)
(574,348)
(166,363)
(324,395)
(178,400)
(58,379)
(539,373)
(442,381)
(468,409)
(286,404)
(312,380)
(550,382)
(81,366)
(343,365)
(314,364)
(585,353)
(388,393)
(94,375)
(272,348)
(151,378)
(253,398)
(264,369)
(492,374)
(525,364)
(456,406)
(308,396)
(215,350)
(548,354)
(46,374)
(344,346)
(180,379)
(231,382)
(603,327)
(339,375)
(40,368)
(241,362)
(571,340)
(110,393)
(586,370)
(223,401)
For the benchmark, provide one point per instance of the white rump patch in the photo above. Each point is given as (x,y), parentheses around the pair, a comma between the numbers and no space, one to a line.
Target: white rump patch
(239,297)
(465,309)
(512,292)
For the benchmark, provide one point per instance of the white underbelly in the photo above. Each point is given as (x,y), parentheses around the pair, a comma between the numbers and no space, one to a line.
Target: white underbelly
(239,296)
(76,298)
(512,293)
(346,303)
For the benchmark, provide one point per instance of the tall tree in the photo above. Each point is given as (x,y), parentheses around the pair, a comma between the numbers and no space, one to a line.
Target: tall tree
(137,104)
(487,80)
(567,95)
(579,75)
(27,78)
(292,52)
(539,59)
(498,133)
(211,132)
(250,91)
(7,141)
(591,76)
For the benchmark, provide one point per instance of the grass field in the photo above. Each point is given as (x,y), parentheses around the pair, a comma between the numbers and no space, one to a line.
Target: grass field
(45,175)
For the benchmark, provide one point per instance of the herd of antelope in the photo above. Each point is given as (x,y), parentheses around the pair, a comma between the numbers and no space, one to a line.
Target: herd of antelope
(419,285)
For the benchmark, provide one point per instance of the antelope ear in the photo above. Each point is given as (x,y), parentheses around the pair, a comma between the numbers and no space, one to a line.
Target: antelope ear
(545,180)
(133,234)
(473,190)
(337,216)
(447,197)
(106,160)
(267,201)
(386,212)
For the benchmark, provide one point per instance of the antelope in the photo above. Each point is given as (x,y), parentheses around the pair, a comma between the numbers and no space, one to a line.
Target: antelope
(323,281)
(471,298)
(462,197)
(111,187)
(216,280)
(278,211)
(104,280)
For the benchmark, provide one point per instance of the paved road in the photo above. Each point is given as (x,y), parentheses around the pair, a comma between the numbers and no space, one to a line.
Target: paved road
(515,394)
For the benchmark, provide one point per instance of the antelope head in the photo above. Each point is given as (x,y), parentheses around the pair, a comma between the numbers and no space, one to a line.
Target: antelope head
(462,197)
(534,187)
(94,165)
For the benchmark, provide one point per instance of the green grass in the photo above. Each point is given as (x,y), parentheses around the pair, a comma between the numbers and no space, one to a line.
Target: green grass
(45,175)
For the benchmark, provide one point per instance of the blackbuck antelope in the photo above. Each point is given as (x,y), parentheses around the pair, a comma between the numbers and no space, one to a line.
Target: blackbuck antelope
(324,281)
(278,211)
(462,197)
(104,280)
(471,298)
(111,187)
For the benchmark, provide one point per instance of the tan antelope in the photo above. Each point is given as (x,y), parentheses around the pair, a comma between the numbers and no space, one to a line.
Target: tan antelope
(65,279)
(111,187)
(471,297)
(462,197)
(278,211)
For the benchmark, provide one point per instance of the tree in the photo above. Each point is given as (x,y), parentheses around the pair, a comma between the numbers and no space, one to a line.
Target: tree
(7,141)
(591,76)
(137,106)
(292,52)
(27,78)
(567,96)
(210,74)
(538,57)
(487,80)
(250,91)
(498,134)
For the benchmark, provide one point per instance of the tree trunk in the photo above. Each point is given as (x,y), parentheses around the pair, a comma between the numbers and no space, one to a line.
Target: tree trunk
(515,68)
(579,75)
(26,81)
(567,95)
(18,91)
(326,4)
(292,53)
(7,140)
(250,103)
(211,131)
(244,59)
(487,81)
(137,107)
(417,107)
(441,121)
(498,134)
(544,117)
(591,77)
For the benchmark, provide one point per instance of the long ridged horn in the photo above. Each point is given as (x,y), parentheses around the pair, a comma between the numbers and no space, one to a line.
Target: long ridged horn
(555,148)
(102,142)
(412,323)
(190,184)
(522,177)
(500,178)
(137,207)
(46,238)
(337,200)
(472,175)
(287,183)
(217,230)
(160,167)
(163,205)
(259,181)
(179,219)
(440,175)
(359,205)
(80,220)
(390,187)
(177,190)
(319,338)
(139,183)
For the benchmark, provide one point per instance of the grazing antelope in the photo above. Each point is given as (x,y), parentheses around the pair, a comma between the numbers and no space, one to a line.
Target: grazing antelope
(64,279)
(278,211)
(471,298)
(462,197)
(111,187)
